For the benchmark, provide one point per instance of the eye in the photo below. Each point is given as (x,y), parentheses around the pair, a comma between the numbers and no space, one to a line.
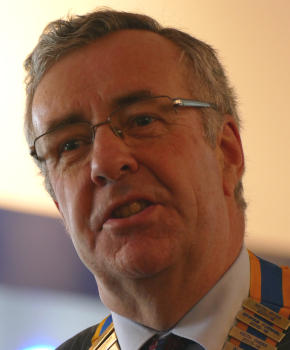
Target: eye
(73,145)
(141,120)
(144,125)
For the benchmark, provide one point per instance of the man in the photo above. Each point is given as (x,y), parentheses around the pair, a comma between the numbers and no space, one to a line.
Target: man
(135,129)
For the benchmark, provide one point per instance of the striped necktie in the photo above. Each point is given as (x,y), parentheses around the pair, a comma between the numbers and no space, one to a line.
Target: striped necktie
(169,342)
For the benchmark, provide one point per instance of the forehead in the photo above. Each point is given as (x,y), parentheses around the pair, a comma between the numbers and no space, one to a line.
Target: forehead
(92,77)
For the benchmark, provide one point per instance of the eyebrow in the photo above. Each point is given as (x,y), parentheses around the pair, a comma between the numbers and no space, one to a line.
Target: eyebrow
(116,102)
(68,120)
(131,97)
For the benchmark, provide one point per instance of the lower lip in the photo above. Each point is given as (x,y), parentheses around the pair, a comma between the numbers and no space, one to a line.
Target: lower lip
(143,217)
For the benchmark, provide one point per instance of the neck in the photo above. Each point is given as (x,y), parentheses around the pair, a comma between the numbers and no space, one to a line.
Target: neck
(159,302)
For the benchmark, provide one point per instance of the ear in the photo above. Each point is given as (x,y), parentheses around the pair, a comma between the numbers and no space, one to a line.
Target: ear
(231,155)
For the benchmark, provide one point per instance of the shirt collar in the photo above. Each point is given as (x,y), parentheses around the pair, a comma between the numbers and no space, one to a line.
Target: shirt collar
(208,322)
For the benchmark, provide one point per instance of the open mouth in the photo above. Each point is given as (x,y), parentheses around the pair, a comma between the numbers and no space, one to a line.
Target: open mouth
(130,209)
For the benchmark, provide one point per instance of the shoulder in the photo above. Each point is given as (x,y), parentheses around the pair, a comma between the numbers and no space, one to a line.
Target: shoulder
(81,341)
(269,283)
(84,339)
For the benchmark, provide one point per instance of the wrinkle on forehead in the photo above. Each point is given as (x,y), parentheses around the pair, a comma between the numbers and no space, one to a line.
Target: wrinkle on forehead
(95,67)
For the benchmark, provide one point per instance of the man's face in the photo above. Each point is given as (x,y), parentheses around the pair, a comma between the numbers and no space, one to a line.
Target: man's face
(178,175)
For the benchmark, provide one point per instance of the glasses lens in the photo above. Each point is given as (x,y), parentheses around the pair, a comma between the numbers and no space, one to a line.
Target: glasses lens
(145,118)
(69,142)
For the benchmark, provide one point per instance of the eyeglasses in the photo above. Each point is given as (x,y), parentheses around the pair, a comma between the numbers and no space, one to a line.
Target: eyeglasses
(134,122)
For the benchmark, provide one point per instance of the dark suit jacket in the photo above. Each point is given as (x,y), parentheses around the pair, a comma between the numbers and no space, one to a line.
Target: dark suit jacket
(268,290)
(81,341)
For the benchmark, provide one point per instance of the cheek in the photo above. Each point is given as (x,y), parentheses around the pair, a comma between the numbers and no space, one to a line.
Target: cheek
(75,205)
(183,162)
(191,169)
(73,195)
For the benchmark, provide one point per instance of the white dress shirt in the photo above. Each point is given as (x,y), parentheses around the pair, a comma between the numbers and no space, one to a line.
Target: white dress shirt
(208,322)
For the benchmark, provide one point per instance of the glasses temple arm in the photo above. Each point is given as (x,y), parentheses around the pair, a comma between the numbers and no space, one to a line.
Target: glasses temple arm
(191,103)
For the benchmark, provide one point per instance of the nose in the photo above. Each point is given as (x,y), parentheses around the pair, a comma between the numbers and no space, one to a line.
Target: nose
(111,157)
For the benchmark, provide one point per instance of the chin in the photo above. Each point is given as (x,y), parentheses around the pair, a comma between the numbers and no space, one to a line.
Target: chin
(139,264)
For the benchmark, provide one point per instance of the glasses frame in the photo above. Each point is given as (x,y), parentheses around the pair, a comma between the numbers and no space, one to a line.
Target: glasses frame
(177,102)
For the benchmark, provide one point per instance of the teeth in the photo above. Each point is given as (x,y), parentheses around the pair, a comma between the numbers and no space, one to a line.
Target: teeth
(130,209)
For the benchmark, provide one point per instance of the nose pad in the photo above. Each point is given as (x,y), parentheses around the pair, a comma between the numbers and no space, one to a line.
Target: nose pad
(117,132)
(111,157)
